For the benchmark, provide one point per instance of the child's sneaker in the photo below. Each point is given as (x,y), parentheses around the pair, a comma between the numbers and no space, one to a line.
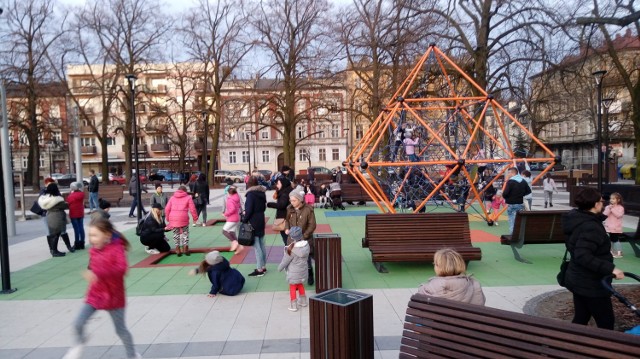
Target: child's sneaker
(302,301)
(495,224)
(293,306)
(617,254)
(74,352)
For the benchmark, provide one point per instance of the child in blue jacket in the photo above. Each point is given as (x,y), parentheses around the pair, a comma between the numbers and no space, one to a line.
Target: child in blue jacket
(224,279)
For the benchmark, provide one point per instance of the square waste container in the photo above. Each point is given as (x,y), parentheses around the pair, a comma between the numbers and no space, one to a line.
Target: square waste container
(328,259)
(341,324)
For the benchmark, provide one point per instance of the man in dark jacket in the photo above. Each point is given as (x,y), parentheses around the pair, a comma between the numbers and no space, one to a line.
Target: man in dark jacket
(282,202)
(254,209)
(513,195)
(94,185)
(591,260)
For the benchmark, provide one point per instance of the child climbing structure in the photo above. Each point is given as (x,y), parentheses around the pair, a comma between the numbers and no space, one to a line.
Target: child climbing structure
(441,140)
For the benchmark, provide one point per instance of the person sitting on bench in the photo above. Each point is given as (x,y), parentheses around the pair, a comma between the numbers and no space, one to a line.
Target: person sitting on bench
(451,282)
(335,193)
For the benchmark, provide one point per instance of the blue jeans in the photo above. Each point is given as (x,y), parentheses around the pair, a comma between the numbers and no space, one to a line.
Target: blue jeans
(117,316)
(512,209)
(93,201)
(261,252)
(134,203)
(413,158)
(78,229)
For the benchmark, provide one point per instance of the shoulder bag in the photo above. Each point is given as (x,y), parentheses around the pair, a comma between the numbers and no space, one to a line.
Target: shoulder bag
(563,270)
(278,225)
(245,234)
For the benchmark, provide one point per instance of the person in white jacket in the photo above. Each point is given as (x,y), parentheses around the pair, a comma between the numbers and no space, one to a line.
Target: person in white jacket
(549,186)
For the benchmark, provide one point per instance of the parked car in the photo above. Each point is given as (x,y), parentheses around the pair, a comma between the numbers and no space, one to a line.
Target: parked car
(320,170)
(66,180)
(55,176)
(85,180)
(170,176)
(237,176)
(266,173)
(221,175)
(116,179)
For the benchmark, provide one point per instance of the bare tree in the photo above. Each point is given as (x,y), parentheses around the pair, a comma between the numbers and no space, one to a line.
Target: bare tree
(216,37)
(30,32)
(295,34)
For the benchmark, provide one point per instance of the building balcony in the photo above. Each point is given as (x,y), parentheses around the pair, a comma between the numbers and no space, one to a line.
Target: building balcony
(160,147)
(88,150)
(141,148)
(152,128)
(86,130)
(198,146)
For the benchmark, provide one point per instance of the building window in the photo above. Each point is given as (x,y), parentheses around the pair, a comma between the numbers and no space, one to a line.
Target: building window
(321,131)
(25,161)
(264,133)
(301,131)
(302,155)
(160,140)
(266,157)
(335,154)
(111,141)
(359,132)
(41,161)
(335,131)
(88,141)
(322,154)
(232,157)
(245,157)
(56,136)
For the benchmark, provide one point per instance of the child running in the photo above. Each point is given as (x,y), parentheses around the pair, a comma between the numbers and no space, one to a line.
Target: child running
(614,212)
(497,202)
(107,268)
(294,263)
(224,279)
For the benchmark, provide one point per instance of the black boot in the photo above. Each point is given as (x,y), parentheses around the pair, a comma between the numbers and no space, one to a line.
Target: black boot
(310,280)
(78,245)
(67,242)
(53,246)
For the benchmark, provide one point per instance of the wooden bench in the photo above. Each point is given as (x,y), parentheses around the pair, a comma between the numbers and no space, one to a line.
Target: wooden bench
(633,238)
(111,193)
(534,227)
(442,328)
(415,237)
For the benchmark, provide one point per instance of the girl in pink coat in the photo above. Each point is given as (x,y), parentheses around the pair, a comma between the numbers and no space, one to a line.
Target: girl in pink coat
(107,268)
(232,215)
(177,213)
(614,212)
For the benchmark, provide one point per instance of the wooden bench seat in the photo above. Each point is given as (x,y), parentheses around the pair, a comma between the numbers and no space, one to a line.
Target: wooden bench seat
(442,328)
(410,237)
(111,193)
(534,227)
(633,238)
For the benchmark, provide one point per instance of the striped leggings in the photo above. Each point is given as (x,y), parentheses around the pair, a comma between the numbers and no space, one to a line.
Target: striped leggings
(181,236)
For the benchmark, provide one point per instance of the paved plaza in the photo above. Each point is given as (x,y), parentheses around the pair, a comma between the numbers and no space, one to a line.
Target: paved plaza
(170,315)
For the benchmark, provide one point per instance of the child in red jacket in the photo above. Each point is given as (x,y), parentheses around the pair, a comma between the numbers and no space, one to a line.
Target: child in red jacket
(107,268)
(75,199)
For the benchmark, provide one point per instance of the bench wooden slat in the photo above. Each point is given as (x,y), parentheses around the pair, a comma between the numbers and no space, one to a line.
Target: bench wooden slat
(111,193)
(534,227)
(445,328)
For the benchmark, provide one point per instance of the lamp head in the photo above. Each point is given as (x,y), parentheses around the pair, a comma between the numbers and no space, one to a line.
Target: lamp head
(607,102)
(132,80)
(598,75)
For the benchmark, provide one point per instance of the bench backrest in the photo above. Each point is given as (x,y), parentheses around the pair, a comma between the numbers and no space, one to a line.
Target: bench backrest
(442,328)
(538,227)
(417,226)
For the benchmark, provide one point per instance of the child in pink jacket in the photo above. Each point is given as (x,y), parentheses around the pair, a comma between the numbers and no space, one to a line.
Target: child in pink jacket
(613,223)
(232,215)
(177,213)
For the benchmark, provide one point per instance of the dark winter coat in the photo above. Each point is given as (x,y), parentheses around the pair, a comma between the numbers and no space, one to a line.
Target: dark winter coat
(589,247)
(202,189)
(254,209)
(282,202)
(515,190)
(224,279)
(151,230)
(94,185)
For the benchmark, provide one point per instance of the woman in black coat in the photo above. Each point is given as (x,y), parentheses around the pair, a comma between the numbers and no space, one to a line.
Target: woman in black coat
(152,233)
(201,199)
(283,188)
(591,260)
(254,209)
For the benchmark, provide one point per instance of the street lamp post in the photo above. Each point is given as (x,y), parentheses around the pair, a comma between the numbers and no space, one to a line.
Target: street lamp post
(205,153)
(248,150)
(606,103)
(598,75)
(132,85)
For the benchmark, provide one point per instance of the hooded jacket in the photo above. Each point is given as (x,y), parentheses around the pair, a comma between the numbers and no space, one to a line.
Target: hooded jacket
(109,264)
(232,209)
(296,263)
(202,189)
(254,209)
(515,190)
(224,279)
(282,202)
(589,247)
(56,216)
(304,218)
(461,288)
(151,230)
(75,200)
(178,208)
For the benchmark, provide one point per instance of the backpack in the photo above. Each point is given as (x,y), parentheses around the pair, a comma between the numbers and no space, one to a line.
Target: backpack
(140,225)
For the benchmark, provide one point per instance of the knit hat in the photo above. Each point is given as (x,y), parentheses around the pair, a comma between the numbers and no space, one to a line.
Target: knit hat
(156,205)
(76,186)
(297,194)
(212,258)
(295,233)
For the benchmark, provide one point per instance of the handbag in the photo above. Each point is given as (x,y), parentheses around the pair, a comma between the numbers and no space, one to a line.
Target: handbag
(245,234)
(563,270)
(35,208)
(278,225)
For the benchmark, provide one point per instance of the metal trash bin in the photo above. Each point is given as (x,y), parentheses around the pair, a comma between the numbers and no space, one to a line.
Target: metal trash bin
(341,324)
(328,259)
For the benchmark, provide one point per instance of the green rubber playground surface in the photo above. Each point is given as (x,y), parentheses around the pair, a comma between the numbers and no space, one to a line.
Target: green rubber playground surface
(60,278)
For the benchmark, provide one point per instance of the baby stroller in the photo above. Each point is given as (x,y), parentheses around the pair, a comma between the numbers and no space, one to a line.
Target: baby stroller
(606,282)
(335,196)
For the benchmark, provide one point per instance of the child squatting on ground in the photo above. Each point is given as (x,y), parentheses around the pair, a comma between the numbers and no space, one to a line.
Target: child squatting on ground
(294,262)
(224,279)
(450,281)
(107,268)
